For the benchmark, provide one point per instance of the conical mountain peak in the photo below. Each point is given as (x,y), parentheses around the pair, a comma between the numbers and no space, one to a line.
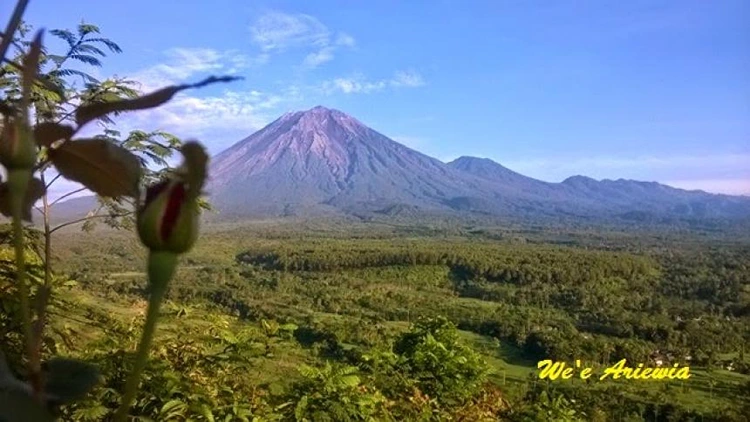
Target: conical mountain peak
(324,159)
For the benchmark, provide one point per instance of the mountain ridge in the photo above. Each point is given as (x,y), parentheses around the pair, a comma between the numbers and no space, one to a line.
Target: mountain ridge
(323,158)
(324,162)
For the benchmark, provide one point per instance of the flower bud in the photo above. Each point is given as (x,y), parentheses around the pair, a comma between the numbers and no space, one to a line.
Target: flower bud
(168,219)
(17,147)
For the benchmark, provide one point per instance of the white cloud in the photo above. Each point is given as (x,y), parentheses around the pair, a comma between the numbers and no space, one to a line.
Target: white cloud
(408,78)
(359,84)
(345,40)
(278,32)
(183,63)
(354,85)
(316,59)
(218,121)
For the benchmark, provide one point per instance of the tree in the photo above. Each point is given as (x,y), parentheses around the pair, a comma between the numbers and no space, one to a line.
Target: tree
(443,368)
(332,393)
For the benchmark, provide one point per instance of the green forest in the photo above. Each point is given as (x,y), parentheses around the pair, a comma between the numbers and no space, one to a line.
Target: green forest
(278,324)
(134,312)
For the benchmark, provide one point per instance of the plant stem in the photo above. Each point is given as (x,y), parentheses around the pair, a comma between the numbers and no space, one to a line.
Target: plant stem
(161,266)
(13,24)
(44,292)
(18,181)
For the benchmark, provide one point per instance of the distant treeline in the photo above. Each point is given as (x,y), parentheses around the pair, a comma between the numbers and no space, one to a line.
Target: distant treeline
(494,263)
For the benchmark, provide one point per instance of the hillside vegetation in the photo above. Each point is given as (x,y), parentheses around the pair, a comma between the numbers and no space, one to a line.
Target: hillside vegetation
(282,326)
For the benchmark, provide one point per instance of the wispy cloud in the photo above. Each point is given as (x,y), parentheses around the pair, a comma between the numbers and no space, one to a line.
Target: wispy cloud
(218,119)
(319,57)
(345,40)
(182,63)
(277,32)
(408,78)
(359,84)
(353,85)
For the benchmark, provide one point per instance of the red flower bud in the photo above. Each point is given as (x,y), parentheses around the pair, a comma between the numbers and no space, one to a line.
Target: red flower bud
(168,218)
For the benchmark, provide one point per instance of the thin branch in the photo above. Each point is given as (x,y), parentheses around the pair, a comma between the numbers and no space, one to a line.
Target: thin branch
(39,209)
(81,220)
(15,43)
(52,181)
(44,291)
(67,195)
(13,24)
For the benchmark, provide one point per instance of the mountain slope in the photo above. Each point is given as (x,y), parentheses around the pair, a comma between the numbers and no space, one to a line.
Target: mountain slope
(629,199)
(323,162)
(649,199)
(324,159)
(499,176)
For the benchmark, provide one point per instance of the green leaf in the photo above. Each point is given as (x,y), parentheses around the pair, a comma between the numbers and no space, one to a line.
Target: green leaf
(289,327)
(206,413)
(34,191)
(107,169)
(172,409)
(301,409)
(68,380)
(66,35)
(89,112)
(350,380)
(17,406)
(45,134)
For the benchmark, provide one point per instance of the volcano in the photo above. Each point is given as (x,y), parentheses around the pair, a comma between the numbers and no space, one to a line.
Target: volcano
(325,160)
(322,161)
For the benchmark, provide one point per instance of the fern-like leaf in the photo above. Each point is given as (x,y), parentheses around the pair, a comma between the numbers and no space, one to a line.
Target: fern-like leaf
(89,60)
(111,45)
(85,77)
(65,35)
(90,49)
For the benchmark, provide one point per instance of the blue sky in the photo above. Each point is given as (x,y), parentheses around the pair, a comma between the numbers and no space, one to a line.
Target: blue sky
(638,89)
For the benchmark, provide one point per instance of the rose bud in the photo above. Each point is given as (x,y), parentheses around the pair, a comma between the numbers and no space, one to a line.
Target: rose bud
(168,218)
(17,148)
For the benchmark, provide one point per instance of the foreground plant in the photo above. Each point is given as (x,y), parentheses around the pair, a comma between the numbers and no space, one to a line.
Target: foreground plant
(167,223)
(167,217)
